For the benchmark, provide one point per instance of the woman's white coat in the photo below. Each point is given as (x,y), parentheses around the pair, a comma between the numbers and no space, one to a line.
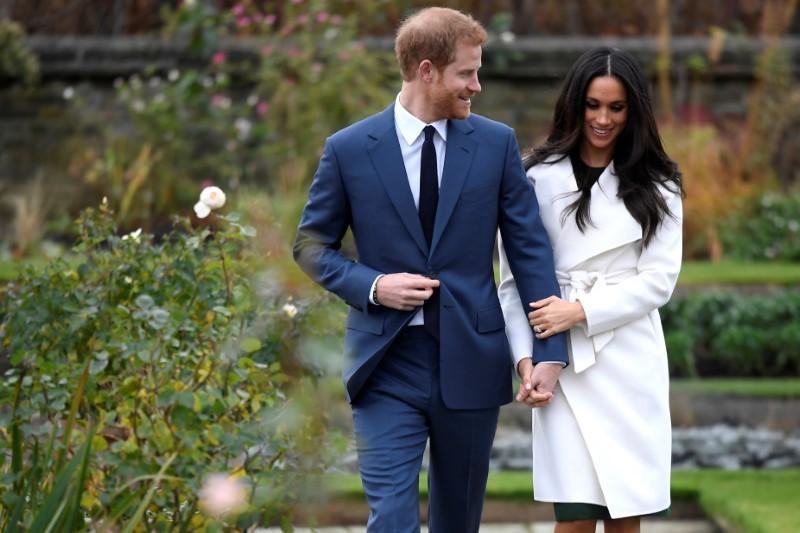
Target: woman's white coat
(606,437)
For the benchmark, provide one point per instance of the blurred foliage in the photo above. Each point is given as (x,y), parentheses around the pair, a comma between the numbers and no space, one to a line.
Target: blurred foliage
(544,17)
(17,63)
(721,333)
(713,181)
(260,119)
(766,228)
(172,365)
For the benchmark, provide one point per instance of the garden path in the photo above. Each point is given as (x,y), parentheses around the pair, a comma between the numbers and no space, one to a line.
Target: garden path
(648,526)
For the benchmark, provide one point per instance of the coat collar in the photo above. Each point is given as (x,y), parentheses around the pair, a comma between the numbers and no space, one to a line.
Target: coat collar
(613,226)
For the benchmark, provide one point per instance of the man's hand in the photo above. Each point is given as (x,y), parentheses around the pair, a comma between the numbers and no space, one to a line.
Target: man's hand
(404,291)
(545,376)
(532,376)
(554,315)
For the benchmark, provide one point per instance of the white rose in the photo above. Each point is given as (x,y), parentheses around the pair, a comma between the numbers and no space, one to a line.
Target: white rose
(290,310)
(213,197)
(134,235)
(243,127)
(201,210)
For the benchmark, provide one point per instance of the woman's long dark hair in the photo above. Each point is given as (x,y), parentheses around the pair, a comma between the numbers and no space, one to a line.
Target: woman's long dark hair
(640,162)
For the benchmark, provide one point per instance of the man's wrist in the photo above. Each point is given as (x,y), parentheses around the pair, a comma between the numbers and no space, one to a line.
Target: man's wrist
(373,297)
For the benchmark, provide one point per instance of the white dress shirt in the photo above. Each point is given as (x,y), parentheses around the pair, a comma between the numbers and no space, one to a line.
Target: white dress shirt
(410,136)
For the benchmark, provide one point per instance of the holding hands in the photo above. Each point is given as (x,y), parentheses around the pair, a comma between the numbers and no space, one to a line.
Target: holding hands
(538,382)
(549,317)
(554,315)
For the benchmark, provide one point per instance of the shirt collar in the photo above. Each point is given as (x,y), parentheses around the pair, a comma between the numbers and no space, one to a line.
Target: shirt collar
(411,127)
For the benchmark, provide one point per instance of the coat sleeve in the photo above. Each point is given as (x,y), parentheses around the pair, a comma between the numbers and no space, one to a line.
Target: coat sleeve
(529,254)
(657,273)
(518,329)
(325,219)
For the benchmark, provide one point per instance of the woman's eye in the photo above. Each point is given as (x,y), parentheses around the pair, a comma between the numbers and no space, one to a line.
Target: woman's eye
(591,105)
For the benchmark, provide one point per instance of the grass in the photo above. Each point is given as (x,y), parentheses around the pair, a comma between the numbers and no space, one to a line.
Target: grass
(738,273)
(730,273)
(753,501)
(783,388)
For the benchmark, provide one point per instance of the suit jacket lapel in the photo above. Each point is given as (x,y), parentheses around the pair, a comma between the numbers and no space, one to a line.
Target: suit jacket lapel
(387,159)
(458,159)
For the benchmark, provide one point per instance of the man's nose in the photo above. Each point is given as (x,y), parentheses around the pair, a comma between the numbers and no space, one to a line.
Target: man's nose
(474,85)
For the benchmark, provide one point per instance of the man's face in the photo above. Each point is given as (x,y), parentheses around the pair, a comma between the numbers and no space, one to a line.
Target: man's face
(454,85)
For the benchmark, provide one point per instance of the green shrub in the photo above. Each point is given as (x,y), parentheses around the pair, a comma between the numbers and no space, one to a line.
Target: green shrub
(166,349)
(256,108)
(722,333)
(16,61)
(767,228)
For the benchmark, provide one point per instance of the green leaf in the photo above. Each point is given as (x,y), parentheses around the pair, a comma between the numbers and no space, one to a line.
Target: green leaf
(50,512)
(144,301)
(137,516)
(250,344)
(98,366)
(248,231)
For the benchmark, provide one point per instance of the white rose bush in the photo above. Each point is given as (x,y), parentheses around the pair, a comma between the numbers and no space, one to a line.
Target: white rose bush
(147,383)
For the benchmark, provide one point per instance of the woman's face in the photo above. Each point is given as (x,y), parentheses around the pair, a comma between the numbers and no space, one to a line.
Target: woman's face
(605,115)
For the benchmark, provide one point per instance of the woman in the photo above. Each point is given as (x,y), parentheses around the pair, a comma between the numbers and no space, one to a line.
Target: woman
(610,200)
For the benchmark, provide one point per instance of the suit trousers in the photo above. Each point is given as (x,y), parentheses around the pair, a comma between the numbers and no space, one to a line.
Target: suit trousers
(394,415)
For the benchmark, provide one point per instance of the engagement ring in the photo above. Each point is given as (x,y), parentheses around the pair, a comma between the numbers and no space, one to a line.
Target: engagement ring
(537,329)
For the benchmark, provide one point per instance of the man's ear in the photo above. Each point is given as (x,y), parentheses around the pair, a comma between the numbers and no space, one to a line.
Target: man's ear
(425,71)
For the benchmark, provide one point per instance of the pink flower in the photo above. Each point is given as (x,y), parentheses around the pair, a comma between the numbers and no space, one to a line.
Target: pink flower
(294,52)
(336,20)
(302,19)
(238,10)
(262,108)
(218,58)
(266,51)
(270,19)
(222,494)
(220,100)
(322,16)
(297,2)
(243,22)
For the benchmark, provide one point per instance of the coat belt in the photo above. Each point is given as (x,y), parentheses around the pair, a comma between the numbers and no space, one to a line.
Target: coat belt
(575,284)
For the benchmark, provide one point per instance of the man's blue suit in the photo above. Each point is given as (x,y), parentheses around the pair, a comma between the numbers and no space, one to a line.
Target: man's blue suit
(361,183)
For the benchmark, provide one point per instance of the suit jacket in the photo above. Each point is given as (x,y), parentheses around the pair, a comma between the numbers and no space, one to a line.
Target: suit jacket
(361,183)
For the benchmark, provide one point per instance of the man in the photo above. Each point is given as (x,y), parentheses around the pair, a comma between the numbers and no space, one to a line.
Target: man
(424,186)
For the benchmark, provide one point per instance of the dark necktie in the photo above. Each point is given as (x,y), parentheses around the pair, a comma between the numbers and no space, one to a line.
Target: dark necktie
(428,200)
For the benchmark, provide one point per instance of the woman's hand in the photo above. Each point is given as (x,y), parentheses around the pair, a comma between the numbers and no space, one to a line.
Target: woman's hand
(554,315)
